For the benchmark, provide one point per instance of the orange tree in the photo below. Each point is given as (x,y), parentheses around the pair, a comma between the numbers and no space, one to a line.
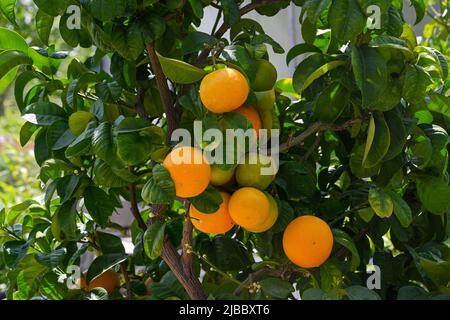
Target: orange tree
(363,128)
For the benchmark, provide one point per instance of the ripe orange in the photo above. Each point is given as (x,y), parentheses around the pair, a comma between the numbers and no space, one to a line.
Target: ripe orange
(249,208)
(217,222)
(224,90)
(252,115)
(108,280)
(189,170)
(273,216)
(308,241)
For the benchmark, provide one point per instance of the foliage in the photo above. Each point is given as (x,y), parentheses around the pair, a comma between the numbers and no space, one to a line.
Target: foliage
(376,171)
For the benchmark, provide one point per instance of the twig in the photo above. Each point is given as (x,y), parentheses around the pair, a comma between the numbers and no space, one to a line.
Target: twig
(139,106)
(216,22)
(134,206)
(123,268)
(186,240)
(316,127)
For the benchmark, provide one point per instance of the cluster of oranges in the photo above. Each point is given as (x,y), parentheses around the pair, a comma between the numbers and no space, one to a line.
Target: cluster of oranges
(307,240)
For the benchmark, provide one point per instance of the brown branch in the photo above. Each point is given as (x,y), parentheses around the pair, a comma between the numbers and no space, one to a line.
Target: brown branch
(201,60)
(317,127)
(139,106)
(255,276)
(164,91)
(314,146)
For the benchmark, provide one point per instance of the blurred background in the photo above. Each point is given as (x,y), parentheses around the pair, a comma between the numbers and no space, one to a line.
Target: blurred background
(18,170)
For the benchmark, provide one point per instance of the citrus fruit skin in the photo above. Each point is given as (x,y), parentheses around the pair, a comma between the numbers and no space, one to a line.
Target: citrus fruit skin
(273,216)
(109,280)
(249,207)
(189,170)
(266,76)
(265,100)
(224,90)
(220,177)
(248,174)
(218,222)
(308,241)
(252,115)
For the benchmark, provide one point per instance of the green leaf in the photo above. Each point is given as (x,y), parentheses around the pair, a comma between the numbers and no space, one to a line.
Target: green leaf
(99,205)
(152,27)
(390,42)
(109,243)
(104,10)
(44,24)
(230,11)
(14,252)
(314,9)
(417,80)
(134,148)
(439,272)
(52,7)
(401,209)
(366,214)
(346,20)
(179,71)
(378,141)
(104,263)
(346,241)
(312,68)
(208,201)
(129,125)
(52,259)
(397,132)
(51,288)
(104,144)
(197,8)
(7,8)
(314,294)
(361,293)
(330,276)
(331,102)
(64,224)
(160,188)
(300,49)
(381,202)
(44,113)
(82,144)
(54,169)
(108,177)
(434,194)
(128,41)
(277,288)
(370,70)
(11,40)
(409,36)
(196,41)
(439,103)
(9,60)
(420,6)
(154,239)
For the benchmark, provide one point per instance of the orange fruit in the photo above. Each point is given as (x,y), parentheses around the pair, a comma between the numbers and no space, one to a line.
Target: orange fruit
(252,115)
(224,90)
(270,221)
(109,280)
(217,222)
(307,241)
(249,208)
(189,170)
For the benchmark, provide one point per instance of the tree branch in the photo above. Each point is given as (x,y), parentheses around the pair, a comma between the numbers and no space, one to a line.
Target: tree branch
(134,206)
(164,91)
(317,127)
(123,268)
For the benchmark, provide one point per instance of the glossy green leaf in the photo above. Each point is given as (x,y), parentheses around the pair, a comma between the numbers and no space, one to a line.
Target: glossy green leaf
(381,202)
